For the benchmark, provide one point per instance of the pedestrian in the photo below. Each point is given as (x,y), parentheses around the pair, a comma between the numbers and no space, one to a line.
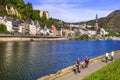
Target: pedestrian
(75,69)
(78,61)
(112,56)
(106,57)
(86,60)
(78,64)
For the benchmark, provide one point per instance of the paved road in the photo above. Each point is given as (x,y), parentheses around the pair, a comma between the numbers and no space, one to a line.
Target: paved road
(84,72)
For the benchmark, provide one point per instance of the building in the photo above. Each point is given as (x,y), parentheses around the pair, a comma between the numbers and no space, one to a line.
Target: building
(32,28)
(54,30)
(103,32)
(96,23)
(9,25)
(91,32)
(1,20)
(24,29)
(15,28)
(21,27)
(36,23)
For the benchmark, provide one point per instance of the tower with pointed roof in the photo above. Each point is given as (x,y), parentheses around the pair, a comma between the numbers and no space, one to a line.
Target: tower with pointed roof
(96,23)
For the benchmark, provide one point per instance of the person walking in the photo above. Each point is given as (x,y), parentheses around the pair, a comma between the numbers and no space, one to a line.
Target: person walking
(78,64)
(112,56)
(78,61)
(106,57)
(86,60)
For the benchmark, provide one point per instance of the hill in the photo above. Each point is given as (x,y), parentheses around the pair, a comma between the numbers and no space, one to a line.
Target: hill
(18,9)
(110,22)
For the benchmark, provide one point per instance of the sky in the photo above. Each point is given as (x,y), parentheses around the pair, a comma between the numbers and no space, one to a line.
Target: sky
(76,10)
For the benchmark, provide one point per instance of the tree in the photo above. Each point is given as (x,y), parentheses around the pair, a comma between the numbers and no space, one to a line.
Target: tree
(3,29)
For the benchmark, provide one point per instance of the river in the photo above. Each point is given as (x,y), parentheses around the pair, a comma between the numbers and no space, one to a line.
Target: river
(31,60)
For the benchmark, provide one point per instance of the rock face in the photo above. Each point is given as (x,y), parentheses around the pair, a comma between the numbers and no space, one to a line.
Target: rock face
(42,13)
(12,11)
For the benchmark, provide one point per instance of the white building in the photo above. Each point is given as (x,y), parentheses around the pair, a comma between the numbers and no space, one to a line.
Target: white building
(8,25)
(23,28)
(103,32)
(33,29)
(20,28)
(91,32)
(83,31)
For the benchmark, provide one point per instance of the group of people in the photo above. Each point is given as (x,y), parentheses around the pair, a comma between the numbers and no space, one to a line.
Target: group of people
(80,66)
(109,56)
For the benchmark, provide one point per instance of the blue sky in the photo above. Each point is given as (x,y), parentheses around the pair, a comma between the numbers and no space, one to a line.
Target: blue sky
(76,10)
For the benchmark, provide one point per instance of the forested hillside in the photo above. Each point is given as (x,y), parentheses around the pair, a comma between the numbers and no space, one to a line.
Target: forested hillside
(26,11)
(112,21)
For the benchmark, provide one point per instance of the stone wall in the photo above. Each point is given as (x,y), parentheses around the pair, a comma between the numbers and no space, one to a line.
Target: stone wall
(29,39)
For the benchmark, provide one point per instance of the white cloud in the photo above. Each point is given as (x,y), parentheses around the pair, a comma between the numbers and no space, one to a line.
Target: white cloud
(69,10)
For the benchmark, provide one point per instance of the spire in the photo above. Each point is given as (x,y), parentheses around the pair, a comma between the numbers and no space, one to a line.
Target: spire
(96,20)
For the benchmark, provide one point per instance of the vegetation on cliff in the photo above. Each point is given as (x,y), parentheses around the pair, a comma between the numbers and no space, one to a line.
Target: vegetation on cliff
(113,33)
(112,21)
(26,10)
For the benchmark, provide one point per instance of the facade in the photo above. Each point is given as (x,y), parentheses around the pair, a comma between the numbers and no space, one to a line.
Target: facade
(23,28)
(1,20)
(103,32)
(15,26)
(54,31)
(92,32)
(9,25)
(36,23)
(32,28)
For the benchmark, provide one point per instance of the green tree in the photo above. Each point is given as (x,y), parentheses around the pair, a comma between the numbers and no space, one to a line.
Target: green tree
(3,29)
(113,33)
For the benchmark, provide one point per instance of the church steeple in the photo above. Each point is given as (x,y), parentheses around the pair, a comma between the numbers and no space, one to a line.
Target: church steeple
(96,22)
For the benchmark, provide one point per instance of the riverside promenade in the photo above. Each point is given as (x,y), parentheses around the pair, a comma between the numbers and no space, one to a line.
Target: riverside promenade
(85,72)
(30,38)
(95,64)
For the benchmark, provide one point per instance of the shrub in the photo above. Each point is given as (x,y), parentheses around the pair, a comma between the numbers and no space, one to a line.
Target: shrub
(3,29)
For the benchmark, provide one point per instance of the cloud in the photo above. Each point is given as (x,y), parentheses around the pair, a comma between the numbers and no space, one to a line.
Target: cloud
(73,15)
(70,10)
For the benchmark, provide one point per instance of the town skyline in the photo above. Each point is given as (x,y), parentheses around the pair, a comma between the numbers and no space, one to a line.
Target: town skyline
(77,10)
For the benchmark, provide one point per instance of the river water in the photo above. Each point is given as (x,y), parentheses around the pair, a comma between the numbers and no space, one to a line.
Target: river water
(31,60)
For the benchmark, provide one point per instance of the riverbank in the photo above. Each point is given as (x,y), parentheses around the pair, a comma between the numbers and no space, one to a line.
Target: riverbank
(30,39)
(69,71)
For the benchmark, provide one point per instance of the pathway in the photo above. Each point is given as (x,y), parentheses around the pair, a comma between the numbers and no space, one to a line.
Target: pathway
(84,72)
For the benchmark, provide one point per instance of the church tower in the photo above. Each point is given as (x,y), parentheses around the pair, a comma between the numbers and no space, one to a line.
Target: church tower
(96,23)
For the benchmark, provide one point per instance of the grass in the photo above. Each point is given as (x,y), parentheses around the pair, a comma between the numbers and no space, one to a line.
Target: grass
(109,72)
